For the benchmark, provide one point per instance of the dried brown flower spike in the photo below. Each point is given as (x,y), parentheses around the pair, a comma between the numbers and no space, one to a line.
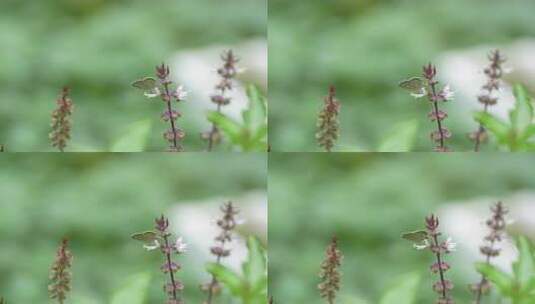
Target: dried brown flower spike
(443,286)
(328,124)
(496,226)
(61,121)
(226,223)
(330,274)
(488,96)
(227,73)
(60,274)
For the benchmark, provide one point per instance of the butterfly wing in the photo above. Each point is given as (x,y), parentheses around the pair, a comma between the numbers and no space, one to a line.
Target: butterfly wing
(413,85)
(146,237)
(417,236)
(145,84)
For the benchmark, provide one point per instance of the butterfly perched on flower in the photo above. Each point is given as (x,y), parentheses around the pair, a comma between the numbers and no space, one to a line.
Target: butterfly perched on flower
(414,85)
(419,238)
(148,85)
(150,239)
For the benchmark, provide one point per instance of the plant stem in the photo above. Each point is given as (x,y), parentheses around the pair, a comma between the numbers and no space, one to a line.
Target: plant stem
(214,280)
(480,130)
(479,291)
(171,120)
(214,129)
(435,109)
(169,265)
(439,261)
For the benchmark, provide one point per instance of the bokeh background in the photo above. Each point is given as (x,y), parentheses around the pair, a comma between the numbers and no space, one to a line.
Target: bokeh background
(368,200)
(99,47)
(99,200)
(366,47)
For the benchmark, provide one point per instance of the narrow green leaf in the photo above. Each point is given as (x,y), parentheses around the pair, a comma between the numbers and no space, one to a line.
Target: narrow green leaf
(400,138)
(403,291)
(230,128)
(227,277)
(134,138)
(528,133)
(134,290)
(255,268)
(522,114)
(256,113)
(500,279)
(498,128)
(524,267)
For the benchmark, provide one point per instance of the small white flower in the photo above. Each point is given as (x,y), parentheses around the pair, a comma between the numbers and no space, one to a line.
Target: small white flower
(507,70)
(155,92)
(447,93)
(180,246)
(420,94)
(181,93)
(423,245)
(154,245)
(450,246)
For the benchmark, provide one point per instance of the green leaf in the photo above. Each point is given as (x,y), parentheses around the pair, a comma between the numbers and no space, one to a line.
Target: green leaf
(528,133)
(500,279)
(401,138)
(522,114)
(403,291)
(227,277)
(134,139)
(498,128)
(134,290)
(230,128)
(524,267)
(255,268)
(256,112)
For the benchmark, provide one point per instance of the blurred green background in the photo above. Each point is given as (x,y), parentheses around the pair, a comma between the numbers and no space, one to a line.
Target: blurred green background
(98,201)
(364,48)
(98,48)
(368,200)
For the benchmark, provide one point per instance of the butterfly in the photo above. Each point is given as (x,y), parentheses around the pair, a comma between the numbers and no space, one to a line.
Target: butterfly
(145,84)
(417,236)
(149,238)
(415,85)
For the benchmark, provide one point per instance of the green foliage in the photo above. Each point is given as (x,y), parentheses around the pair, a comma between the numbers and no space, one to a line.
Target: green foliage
(251,133)
(134,139)
(98,200)
(520,286)
(134,290)
(368,200)
(251,286)
(403,291)
(401,138)
(365,48)
(97,48)
(517,134)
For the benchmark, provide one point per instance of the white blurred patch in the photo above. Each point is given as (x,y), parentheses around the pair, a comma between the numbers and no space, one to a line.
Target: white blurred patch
(464,71)
(196,70)
(196,223)
(465,223)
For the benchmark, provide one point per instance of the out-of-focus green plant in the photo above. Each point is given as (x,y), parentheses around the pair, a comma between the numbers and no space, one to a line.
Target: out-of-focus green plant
(251,133)
(520,286)
(134,290)
(403,290)
(401,138)
(517,134)
(251,287)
